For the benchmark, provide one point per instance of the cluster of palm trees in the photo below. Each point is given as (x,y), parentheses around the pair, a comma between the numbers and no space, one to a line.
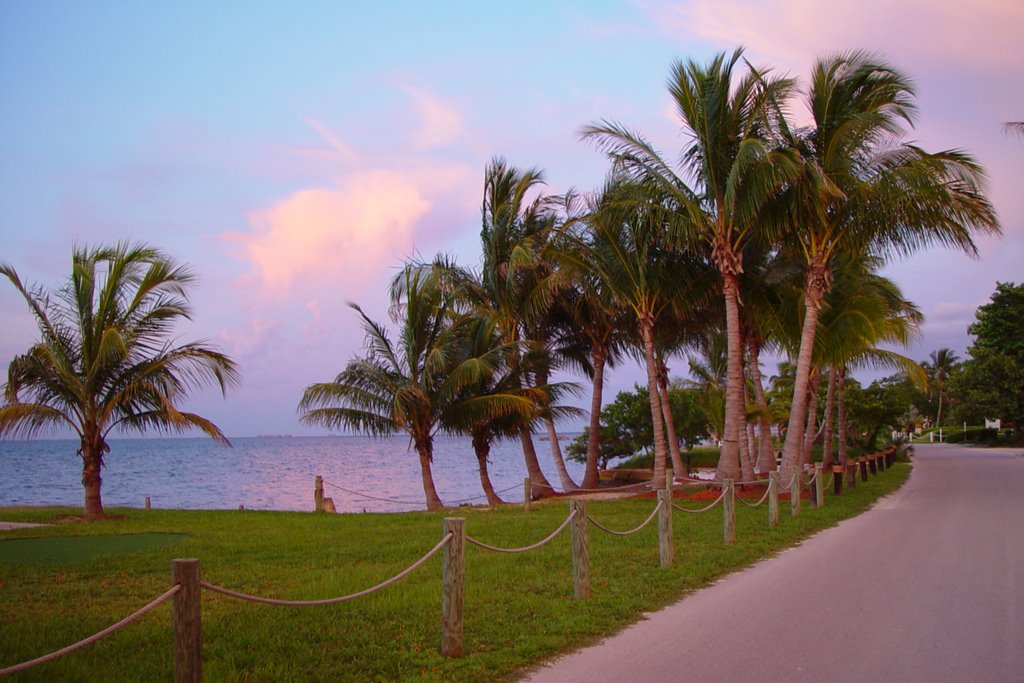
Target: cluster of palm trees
(765,235)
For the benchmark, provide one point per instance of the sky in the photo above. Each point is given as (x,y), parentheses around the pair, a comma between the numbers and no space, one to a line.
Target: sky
(295,153)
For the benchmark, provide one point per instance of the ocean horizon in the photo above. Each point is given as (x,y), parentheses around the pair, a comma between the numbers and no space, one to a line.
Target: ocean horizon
(269,472)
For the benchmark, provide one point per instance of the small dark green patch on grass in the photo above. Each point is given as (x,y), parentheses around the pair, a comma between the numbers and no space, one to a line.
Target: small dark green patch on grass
(61,549)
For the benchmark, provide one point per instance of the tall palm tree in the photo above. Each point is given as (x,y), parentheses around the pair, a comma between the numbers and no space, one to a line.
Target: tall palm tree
(513,285)
(736,166)
(601,326)
(418,383)
(943,362)
(628,247)
(105,359)
(863,190)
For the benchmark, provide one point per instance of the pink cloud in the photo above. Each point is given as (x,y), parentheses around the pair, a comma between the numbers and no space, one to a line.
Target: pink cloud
(440,123)
(340,234)
(788,32)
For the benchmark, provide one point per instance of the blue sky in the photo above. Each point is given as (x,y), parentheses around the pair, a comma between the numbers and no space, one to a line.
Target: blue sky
(295,154)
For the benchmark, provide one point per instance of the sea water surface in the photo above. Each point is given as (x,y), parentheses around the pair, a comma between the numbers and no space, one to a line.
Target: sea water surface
(266,473)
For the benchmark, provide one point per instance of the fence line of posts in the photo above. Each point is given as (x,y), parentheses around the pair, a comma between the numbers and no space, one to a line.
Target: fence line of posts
(187,585)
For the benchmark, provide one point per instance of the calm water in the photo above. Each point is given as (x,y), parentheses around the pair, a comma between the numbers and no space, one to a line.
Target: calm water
(264,473)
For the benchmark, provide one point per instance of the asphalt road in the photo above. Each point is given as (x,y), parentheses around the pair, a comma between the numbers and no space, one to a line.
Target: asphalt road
(926,586)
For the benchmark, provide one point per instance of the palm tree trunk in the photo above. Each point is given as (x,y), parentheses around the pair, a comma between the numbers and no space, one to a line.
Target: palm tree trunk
(746,456)
(765,453)
(792,447)
(729,460)
(938,415)
(591,478)
(539,485)
(647,333)
(830,405)
(812,418)
(426,453)
(841,417)
(670,425)
(556,454)
(482,448)
(92,461)
(556,450)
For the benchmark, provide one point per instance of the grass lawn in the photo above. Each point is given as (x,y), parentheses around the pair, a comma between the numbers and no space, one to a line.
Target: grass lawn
(518,608)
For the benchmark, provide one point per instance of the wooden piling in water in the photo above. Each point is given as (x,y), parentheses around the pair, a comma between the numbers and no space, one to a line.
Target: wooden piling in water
(318,494)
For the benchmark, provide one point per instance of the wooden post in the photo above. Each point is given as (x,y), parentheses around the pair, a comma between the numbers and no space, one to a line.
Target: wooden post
(838,475)
(527,494)
(318,494)
(729,511)
(187,622)
(666,552)
(872,466)
(851,474)
(881,462)
(452,586)
(773,499)
(147,502)
(580,550)
(819,485)
(794,491)
(863,468)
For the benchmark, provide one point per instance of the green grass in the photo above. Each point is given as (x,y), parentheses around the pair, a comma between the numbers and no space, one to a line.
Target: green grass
(62,549)
(518,608)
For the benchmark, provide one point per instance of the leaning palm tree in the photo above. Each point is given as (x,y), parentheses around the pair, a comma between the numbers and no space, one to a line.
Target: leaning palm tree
(512,287)
(416,384)
(105,360)
(628,246)
(862,190)
(735,166)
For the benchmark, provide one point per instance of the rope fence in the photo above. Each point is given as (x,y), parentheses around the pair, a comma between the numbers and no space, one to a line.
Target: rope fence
(332,601)
(657,508)
(187,585)
(759,502)
(703,509)
(528,548)
(94,637)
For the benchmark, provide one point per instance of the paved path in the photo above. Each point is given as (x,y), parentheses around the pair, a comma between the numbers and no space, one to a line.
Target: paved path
(926,586)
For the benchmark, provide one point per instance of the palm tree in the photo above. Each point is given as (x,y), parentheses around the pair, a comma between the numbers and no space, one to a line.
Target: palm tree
(737,168)
(503,380)
(863,191)
(513,286)
(627,247)
(105,359)
(863,311)
(943,362)
(418,384)
(601,326)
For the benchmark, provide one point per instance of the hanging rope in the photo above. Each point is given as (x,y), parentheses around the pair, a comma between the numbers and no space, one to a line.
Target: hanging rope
(754,505)
(331,601)
(538,544)
(704,509)
(631,531)
(91,639)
